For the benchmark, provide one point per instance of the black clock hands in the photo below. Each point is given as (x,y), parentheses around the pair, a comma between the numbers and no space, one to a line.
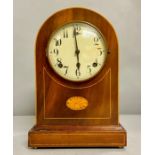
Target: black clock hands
(77,52)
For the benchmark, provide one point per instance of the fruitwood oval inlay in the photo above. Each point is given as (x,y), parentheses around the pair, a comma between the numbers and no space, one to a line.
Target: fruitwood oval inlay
(77,103)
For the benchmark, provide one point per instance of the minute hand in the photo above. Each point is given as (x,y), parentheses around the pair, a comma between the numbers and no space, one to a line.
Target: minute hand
(77,51)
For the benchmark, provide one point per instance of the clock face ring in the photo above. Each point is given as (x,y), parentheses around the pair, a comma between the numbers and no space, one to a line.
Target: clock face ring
(77,51)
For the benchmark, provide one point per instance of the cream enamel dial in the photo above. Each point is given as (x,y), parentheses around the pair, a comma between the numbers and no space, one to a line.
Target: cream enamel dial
(77,51)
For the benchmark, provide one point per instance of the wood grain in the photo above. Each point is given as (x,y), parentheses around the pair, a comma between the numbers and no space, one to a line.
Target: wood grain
(52,91)
(77,136)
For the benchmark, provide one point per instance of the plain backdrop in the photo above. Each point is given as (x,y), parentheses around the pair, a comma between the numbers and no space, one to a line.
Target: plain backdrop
(124,16)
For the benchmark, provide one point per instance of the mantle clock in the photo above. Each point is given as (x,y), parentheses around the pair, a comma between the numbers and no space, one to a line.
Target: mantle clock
(77,82)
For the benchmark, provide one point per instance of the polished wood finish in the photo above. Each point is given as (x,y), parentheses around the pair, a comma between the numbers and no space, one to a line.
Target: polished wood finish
(79,136)
(52,92)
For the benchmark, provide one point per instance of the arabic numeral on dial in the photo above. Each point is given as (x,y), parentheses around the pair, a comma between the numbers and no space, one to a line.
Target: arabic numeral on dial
(58,42)
(89,69)
(66,71)
(77,28)
(56,51)
(96,41)
(65,33)
(101,51)
(59,63)
(77,72)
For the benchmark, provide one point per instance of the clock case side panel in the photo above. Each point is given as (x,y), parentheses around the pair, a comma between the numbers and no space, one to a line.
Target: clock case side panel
(56,21)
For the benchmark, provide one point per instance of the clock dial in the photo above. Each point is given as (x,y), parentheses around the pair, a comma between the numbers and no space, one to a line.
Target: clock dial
(77,51)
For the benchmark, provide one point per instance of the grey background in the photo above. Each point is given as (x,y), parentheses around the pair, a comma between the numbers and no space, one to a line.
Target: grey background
(29,16)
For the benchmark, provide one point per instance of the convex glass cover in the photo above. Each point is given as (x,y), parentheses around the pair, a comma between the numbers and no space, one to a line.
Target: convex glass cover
(77,51)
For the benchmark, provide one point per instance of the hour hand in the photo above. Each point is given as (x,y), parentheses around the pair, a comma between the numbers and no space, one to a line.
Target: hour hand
(77,52)
(77,72)
(78,65)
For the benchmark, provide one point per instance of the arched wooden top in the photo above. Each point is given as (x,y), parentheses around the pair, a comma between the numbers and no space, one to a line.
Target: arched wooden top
(70,15)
